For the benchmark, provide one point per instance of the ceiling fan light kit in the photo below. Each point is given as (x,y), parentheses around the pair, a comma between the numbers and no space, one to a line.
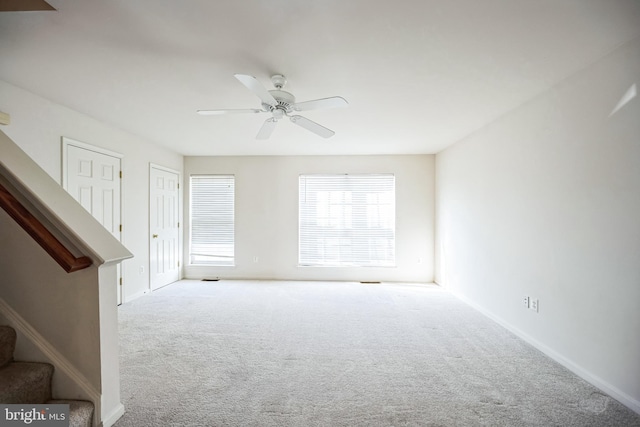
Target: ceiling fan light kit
(280,103)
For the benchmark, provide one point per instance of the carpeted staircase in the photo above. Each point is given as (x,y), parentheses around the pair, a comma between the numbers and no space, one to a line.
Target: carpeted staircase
(30,382)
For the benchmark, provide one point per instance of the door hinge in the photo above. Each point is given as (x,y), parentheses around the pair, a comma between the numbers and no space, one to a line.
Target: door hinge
(178,225)
(120,174)
(178,186)
(178,263)
(121,228)
(121,281)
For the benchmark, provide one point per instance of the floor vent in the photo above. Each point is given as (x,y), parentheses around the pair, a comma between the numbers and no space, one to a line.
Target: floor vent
(370,283)
(210,280)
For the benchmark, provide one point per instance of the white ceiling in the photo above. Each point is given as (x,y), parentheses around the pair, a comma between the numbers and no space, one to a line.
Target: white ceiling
(419,75)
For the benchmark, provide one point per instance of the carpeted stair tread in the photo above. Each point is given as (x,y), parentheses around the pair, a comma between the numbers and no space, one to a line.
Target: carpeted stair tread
(25,382)
(7,344)
(30,382)
(80,412)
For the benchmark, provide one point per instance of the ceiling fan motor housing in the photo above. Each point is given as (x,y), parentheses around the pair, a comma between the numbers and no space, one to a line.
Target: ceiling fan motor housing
(285,101)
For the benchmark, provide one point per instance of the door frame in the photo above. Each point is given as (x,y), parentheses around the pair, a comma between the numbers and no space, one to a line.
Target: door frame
(180,220)
(66,142)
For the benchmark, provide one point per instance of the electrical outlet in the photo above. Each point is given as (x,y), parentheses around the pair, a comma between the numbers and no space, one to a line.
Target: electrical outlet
(526,301)
(533,304)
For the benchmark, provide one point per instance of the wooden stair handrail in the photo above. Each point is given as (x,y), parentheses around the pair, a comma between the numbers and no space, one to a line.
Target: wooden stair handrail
(41,234)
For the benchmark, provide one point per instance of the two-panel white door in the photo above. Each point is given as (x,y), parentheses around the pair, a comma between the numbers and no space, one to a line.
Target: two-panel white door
(164,226)
(92,177)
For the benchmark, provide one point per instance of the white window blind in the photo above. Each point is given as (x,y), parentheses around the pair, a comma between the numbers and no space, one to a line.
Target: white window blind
(347,220)
(212,219)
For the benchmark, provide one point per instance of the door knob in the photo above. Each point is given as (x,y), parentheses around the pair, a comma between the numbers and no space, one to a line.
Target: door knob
(155,236)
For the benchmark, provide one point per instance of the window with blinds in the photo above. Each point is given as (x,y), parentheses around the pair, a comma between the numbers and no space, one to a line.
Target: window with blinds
(347,220)
(212,219)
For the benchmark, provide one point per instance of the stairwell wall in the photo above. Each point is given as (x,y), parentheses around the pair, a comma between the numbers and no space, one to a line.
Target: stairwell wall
(41,287)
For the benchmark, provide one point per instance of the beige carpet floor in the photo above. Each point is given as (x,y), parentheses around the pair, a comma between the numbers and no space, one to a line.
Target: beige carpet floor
(251,353)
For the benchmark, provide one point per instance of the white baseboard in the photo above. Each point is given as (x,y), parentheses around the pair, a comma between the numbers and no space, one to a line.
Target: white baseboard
(598,382)
(52,355)
(114,416)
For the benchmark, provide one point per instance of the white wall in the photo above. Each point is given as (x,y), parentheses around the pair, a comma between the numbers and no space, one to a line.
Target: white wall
(37,126)
(71,296)
(545,202)
(267,215)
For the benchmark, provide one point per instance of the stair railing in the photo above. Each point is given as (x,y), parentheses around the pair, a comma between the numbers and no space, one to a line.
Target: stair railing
(34,227)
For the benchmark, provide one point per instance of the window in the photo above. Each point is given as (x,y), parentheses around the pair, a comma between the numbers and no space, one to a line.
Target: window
(347,220)
(212,220)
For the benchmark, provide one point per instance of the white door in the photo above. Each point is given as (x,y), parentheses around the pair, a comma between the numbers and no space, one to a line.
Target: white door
(164,226)
(92,176)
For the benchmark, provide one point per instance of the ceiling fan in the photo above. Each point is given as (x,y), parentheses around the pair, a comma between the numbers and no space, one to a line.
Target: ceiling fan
(280,104)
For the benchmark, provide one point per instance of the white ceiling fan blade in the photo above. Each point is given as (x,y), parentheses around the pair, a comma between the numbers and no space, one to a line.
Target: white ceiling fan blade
(256,87)
(312,126)
(220,112)
(267,128)
(333,102)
